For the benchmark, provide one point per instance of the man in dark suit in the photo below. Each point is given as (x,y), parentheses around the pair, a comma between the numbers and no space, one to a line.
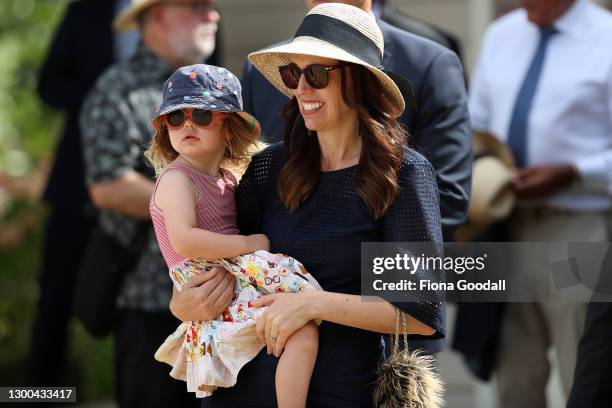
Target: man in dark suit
(594,363)
(438,122)
(387,11)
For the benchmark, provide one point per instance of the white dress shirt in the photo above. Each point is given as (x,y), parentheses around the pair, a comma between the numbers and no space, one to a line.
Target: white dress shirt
(571,116)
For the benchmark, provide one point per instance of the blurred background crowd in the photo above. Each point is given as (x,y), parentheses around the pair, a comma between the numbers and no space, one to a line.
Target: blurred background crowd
(41,41)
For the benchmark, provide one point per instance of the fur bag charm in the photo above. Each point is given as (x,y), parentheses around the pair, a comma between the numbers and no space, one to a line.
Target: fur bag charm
(407,380)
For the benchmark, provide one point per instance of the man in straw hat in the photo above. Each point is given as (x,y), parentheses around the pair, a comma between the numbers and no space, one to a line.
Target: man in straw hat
(437,119)
(546,93)
(116,128)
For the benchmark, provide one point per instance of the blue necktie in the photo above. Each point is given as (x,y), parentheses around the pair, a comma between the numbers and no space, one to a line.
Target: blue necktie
(517,132)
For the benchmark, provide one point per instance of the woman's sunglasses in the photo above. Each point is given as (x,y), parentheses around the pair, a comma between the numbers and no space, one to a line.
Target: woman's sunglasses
(176,119)
(317,75)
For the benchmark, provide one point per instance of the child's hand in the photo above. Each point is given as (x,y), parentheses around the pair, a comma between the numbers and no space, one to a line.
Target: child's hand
(258,242)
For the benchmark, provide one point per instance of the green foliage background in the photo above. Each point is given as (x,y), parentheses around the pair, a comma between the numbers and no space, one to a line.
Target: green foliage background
(28,133)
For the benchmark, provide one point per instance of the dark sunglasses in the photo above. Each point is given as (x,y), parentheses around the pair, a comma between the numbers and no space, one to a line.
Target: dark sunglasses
(317,75)
(176,119)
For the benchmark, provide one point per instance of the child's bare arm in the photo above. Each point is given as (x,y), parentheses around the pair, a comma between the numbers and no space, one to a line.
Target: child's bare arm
(295,367)
(176,196)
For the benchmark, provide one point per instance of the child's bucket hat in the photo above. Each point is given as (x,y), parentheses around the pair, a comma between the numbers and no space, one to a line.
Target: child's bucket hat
(206,87)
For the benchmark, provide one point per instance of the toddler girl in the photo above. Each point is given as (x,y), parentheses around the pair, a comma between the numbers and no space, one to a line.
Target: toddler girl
(201,126)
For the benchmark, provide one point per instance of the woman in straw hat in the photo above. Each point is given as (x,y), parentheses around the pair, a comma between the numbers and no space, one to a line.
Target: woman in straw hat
(343,176)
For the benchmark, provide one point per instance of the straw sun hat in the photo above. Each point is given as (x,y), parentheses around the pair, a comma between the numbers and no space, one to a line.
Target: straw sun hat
(492,198)
(336,31)
(128,19)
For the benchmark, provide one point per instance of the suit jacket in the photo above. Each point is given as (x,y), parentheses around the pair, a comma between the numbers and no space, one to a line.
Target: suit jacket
(594,363)
(480,351)
(392,15)
(439,126)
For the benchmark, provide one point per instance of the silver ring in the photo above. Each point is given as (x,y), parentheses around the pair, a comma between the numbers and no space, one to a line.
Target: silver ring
(273,339)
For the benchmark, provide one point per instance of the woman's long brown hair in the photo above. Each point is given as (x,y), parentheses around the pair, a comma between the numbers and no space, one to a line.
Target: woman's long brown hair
(381,154)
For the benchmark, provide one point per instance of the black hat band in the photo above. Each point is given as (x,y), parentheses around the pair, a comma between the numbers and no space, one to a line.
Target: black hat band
(343,35)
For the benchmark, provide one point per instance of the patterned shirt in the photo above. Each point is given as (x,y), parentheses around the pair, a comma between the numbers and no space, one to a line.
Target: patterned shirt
(116,128)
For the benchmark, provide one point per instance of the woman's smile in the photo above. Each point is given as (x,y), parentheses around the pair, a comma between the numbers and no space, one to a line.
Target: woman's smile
(310,107)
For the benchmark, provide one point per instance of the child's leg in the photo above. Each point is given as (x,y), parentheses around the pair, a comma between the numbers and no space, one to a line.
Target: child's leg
(295,367)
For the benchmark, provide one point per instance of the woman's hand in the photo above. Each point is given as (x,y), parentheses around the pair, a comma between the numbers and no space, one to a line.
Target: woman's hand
(204,297)
(258,242)
(286,313)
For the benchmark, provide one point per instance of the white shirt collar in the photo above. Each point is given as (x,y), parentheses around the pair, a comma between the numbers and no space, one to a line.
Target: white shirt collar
(572,21)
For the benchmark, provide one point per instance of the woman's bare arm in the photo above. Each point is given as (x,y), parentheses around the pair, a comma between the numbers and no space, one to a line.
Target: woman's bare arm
(373,314)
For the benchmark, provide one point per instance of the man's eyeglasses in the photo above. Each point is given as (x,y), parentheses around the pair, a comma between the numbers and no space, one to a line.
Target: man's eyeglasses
(200,117)
(316,75)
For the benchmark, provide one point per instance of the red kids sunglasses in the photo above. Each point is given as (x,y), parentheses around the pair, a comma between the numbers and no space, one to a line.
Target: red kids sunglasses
(200,117)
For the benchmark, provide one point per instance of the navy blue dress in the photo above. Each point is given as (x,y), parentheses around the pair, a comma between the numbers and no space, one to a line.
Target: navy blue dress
(325,234)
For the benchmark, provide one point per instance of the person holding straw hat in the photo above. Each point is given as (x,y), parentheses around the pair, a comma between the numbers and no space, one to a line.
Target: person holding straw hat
(342,176)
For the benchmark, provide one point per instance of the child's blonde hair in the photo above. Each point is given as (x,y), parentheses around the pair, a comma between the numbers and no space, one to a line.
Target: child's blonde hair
(238,135)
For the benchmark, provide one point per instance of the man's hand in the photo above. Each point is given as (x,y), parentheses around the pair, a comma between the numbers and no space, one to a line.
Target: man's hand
(544,180)
(204,296)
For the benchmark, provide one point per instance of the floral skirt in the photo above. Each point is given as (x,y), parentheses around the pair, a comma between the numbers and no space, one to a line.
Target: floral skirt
(209,354)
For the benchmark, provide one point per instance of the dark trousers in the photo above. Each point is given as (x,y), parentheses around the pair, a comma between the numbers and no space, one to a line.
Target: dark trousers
(65,235)
(140,380)
(591,386)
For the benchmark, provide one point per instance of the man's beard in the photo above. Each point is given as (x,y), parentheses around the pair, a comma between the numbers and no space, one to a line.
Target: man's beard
(201,46)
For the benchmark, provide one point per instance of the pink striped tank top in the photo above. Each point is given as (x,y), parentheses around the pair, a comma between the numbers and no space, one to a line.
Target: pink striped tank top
(215,208)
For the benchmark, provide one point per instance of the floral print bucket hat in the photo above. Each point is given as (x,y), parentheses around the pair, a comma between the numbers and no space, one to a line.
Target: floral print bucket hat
(206,87)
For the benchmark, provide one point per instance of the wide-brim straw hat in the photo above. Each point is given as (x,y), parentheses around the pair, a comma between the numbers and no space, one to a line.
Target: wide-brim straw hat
(492,197)
(128,19)
(336,31)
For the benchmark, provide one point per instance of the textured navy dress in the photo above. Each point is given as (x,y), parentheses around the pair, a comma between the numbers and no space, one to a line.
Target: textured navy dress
(325,234)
